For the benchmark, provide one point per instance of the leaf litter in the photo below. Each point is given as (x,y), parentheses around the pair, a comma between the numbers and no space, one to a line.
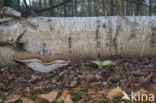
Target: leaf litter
(79,82)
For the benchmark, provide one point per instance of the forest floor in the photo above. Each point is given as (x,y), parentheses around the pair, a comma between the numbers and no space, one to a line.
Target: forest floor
(84,81)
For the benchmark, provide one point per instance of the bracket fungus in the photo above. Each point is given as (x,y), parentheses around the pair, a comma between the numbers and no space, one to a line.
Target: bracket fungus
(41,63)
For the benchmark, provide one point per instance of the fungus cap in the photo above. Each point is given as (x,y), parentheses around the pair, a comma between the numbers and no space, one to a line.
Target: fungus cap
(42,63)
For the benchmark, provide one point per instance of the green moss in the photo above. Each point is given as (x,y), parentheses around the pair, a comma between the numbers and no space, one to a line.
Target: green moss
(31,97)
(55,101)
(4,98)
(76,98)
(84,90)
(51,76)
(127,101)
(18,101)
(42,101)
(119,100)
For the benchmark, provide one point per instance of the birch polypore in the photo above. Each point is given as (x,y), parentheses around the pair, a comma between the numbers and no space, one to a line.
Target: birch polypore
(41,63)
(79,37)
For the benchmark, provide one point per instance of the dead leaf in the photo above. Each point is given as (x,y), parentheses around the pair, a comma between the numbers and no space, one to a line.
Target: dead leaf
(68,99)
(73,83)
(114,93)
(146,80)
(64,95)
(97,96)
(50,97)
(81,101)
(12,98)
(27,100)
(77,89)
(1,100)
(91,91)
(103,91)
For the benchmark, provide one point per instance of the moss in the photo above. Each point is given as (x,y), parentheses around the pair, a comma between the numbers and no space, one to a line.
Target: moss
(33,98)
(55,101)
(76,98)
(119,100)
(3,98)
(42,101)
(85,90)
(51,76)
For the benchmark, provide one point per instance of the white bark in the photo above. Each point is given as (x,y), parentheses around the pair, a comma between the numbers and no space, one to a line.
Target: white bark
(79,37)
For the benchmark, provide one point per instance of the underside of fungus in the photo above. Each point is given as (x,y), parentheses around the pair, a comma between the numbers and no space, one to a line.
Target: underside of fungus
(41,63)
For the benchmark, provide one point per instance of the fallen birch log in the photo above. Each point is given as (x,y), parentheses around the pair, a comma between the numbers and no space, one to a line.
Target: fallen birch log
(78,37)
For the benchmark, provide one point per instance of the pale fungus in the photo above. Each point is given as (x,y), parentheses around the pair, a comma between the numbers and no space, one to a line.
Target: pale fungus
(41,63)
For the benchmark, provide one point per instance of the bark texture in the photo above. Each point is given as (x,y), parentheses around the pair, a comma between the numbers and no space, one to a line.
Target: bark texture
(79,37)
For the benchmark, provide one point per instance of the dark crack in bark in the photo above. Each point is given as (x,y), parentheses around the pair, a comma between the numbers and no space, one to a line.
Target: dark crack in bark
(69,43)
(19,44)
(153,37)
(97,38)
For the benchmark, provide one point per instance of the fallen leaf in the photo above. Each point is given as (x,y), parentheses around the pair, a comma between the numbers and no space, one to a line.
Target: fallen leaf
(146,80)
(12,98)
(91,91)
(77,89)
(103,91)
(81,101)
(64,95)
(73,83)
(116,92)
(68,99)
(50,97)
(27,100)
(103,63)
(1,100)
(97,96)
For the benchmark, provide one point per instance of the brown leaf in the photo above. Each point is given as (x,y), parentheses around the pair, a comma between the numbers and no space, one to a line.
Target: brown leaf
(36,89)
(114,93)
(1,100)
(81,101)
(91,91)
(27,100)
(73,83)
(103,91)
(50,97)
(77,89)
(68,99)
(12,98)
(146,80)
(64,95)
(97,96)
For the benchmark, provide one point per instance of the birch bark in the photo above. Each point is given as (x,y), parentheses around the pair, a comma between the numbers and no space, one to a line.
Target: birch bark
(79,37)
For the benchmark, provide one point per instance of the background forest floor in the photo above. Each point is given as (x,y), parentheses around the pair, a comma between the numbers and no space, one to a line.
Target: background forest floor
(81,78)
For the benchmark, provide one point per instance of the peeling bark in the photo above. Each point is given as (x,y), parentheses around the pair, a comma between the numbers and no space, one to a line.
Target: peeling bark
(79,37)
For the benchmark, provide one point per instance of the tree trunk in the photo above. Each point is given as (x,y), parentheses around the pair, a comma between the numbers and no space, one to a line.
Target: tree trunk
(150,7)
(103,7)
(155,7)
(79,38)
(112,7)
(7,3)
